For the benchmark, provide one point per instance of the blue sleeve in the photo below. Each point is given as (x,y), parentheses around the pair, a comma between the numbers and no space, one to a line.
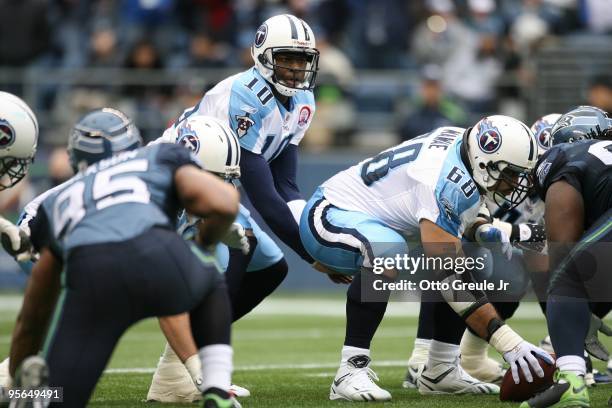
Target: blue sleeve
(284,171)
(258,182)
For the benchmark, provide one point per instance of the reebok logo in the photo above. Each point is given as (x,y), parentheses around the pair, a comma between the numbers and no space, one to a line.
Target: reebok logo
(339,380)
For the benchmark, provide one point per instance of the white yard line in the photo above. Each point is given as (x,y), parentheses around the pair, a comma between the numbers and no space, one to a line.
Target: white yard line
(257,367)
(302,306)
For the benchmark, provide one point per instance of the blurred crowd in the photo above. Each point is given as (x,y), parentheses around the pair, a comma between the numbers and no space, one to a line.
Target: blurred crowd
(467,57)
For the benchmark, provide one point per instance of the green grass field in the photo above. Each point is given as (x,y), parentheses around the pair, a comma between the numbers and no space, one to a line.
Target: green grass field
(287,353)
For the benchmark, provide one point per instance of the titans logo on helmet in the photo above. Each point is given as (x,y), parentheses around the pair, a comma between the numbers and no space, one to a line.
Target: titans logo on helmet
(260,35)
(188,139)
(7,134)
(542,133)
(489,139)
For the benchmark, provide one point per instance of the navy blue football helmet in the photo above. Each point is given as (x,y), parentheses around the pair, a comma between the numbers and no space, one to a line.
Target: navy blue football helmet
(100,134)
(581,123)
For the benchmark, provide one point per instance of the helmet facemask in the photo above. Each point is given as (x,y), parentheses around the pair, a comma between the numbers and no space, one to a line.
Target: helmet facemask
(517,178)
(287,78)
(231,174)
(12,170)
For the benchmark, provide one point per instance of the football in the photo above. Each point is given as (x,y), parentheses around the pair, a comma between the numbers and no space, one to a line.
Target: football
(524,390)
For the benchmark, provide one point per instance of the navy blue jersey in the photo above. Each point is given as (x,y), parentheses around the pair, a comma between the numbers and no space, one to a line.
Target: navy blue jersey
(587,166)
(113,200)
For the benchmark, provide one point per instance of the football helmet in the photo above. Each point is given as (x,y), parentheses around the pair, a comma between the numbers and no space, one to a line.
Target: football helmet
(213,142)
(280,35)
(99,134)
(541,131)
(583,122)
(18,139)
(500,148)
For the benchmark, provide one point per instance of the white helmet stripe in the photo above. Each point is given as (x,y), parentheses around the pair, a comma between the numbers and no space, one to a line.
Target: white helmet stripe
(237,147)
(294,34)
(532,150)
(306,35)
(230,153)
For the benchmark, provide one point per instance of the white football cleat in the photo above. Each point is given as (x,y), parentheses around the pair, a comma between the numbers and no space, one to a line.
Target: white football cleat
(355,382)
(4,373)
(484,369)
(172,383)
(412,375)
(239,391)
(447,378)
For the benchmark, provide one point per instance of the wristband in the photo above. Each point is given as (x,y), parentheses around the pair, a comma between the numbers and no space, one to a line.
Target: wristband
(504,339)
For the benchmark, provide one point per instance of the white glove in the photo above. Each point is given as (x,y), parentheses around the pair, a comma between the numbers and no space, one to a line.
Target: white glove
(524,355)
(519,353)
(12,231)
(487,233)
(236,238)
(18,243)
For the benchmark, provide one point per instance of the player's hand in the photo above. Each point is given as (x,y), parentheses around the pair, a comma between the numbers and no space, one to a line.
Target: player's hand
(592,344)
(487,233)
(236,238)
(332,275)
(15,241)
(523,356)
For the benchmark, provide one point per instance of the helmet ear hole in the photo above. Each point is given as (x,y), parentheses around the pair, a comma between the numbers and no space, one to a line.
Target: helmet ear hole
(482,165)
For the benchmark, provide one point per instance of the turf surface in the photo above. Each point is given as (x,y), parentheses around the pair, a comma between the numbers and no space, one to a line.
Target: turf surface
(287,352)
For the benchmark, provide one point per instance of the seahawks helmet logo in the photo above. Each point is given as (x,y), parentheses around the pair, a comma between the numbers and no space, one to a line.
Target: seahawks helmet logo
(7,134)
(260,35)
(489,139)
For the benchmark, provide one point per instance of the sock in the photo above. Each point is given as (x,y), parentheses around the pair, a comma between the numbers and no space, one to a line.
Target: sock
(568,323)
(425,330)
(217,366)
(573,364)
(194,367)
(420,352)
(472,346)
(255,286)
(349,351)
(440,352)
(362,318)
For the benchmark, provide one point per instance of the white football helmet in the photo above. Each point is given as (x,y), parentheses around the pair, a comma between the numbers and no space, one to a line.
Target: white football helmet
(213,142)
(286,34)
(500,148)
(541,130)
(18,139)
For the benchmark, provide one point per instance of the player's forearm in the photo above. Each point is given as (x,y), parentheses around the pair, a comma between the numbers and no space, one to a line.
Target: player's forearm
(177,330)
(38,304)
(258,182)
(279,218)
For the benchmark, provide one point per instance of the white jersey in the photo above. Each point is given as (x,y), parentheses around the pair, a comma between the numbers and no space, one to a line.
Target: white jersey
(423,178)
(263,125)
